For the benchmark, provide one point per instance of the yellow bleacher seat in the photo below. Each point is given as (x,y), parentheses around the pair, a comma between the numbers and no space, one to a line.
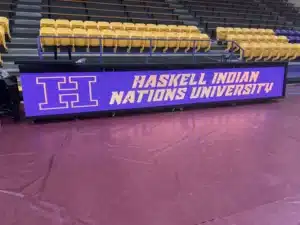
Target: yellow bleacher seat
(237,30)
(2,38)
(47,23)
(269,31)
(151,27)
(5,23)
(123,39)
(50,40)
(183,28)
(64,37)
(282,39)
(162,28)
(254,31)
(77,24)
(94,36)
(160,40)
(102,25)
(129,26)
(80,38)
(147,36)
(296,52)
(173,28)
(205,42)
(246,50)
(62,23)
(140,26)
(172,40)
(193,29)
(256,50)
(183,41)
(108,38)
(135,40)
(116,26)
(90,25)
(221,33)
(246,31)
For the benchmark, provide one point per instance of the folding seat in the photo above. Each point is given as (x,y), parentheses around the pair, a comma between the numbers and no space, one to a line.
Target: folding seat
(172,40)
(183,28)
(80,38)
(129,26)
(90,25)
(195,41)
(173,28)
(62,23)
(48,37)
(246,50)
(282,52)
(116,26)
(290,51)
(108,38)
(136,40)
(163,28)
(229,31)
(140,26)
(77,24)
(205,42)
(94,37)
(237,30)
(221,33)
(282,39)
(123,39)
(295,52)
(160,40)
(149,40)
(5,23)
(64,37)
(266,48)
(47,23)
(246,31)
(183,41)
(230,39)
(103,25)
(193,29)
(269,32)
(151,27)
(255,51)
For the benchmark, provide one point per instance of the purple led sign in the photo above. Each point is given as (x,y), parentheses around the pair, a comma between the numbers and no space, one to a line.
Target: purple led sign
(67,93)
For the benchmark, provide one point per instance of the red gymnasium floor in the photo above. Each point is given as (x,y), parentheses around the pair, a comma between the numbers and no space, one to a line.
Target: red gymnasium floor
(233,165)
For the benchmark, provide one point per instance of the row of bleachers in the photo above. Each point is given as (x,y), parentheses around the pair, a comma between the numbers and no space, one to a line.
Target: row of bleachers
(269,51)
(103,25)
(234,13)
(223,32)
(66,37)
(125,11)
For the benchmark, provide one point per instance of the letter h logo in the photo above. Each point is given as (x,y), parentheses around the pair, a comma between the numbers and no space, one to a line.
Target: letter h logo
(64,92)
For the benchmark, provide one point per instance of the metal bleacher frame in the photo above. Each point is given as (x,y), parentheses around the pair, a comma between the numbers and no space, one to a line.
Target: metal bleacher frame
(226,56)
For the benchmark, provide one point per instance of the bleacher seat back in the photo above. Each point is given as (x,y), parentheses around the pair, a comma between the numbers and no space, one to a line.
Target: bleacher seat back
(94,37)
(122,38)
(47,23)
(151,27)
(51,39)
(103,25)
(80,37)
(60,23)
(64,36)
(90,25)
(116,26)
(108,38)
(77,24)
(136,38)
(129,26)
(140,26)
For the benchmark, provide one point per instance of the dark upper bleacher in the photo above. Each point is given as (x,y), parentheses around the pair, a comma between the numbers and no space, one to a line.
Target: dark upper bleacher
(236,13)
(150,11)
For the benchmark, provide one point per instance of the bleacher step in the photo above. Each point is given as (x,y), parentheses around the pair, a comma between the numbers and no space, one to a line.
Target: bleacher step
(31,8)
(30,1)
(29,14)
(22,51)
(25,30)
(27,22)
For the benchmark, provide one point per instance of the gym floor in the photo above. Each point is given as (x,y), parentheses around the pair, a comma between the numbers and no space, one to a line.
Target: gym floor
(219,166)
